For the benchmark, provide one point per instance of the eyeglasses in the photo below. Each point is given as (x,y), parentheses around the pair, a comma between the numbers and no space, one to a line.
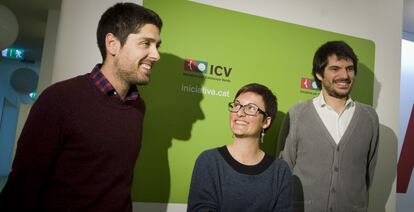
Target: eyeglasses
(249,109)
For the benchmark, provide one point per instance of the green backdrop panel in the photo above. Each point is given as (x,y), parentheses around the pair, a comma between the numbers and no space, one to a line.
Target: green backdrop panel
(207,54)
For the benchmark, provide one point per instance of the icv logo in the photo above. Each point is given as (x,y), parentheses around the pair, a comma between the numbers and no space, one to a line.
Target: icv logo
(306,83)
(198,66)
(195,66)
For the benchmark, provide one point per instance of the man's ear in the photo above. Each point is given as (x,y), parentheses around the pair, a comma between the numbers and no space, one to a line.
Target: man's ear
(319,76)
(112,44)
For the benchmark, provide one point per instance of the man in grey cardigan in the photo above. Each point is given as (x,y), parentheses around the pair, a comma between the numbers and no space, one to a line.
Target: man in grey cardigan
(331,142)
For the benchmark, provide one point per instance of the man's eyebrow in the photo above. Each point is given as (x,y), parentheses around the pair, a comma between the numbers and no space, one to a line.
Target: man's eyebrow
(148,38)
(151,39)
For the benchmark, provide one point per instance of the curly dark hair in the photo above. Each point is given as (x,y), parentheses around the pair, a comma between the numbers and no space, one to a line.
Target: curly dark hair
(339,48)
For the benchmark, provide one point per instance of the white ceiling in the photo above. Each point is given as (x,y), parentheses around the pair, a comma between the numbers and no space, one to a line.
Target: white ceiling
(408,24)
(32,16)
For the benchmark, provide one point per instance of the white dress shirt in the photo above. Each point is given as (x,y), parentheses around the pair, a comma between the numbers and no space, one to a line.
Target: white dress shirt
(335,123)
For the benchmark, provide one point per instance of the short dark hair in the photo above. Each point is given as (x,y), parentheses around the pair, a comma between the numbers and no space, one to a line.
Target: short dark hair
(269,98)
(123,19)
(339,48)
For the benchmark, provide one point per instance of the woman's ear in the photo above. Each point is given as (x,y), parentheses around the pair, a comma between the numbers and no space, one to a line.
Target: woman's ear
(266,122)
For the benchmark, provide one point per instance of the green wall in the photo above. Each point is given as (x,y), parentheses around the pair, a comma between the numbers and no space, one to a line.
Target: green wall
(187,110)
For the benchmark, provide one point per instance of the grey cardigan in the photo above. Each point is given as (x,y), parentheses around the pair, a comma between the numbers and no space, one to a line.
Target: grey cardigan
(334,177)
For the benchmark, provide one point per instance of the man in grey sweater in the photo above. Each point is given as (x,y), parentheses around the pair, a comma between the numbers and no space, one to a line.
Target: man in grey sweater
(331,141)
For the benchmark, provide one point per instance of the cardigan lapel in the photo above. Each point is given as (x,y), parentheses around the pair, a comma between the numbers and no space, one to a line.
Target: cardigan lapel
(319,125)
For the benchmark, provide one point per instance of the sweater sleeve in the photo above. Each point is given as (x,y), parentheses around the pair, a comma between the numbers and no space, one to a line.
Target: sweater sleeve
(203,191)
(373,152)
(283,133)
(287,137)
(284,200)
(36,154)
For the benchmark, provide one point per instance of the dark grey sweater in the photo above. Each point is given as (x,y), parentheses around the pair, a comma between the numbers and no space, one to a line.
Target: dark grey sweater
(335,177)
(220,183)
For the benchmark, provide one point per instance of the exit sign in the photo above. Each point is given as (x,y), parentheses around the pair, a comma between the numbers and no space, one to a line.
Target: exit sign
(12,53)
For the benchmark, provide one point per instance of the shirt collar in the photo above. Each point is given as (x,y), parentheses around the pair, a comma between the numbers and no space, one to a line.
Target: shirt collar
(106,88)
(320,101)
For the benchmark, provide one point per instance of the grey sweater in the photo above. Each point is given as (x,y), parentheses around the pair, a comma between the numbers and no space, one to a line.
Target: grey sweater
(220,183)
(334,177)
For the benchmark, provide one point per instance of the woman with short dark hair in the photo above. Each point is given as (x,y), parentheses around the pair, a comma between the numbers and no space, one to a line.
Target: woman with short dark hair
(240,176)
